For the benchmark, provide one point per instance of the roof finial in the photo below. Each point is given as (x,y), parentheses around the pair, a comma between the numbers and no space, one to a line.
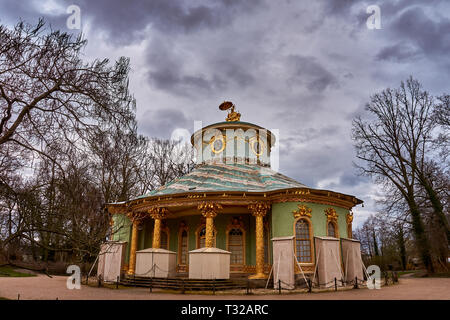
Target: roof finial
(232,115)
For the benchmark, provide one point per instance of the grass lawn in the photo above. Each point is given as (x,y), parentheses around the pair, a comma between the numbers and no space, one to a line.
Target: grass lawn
(7,271)
(400,273)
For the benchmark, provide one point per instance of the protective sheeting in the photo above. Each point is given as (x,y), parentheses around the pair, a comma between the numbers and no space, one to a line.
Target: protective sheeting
(157,263)
(351,257)
(328,260)
(111,260)
(209,263)
(283,262)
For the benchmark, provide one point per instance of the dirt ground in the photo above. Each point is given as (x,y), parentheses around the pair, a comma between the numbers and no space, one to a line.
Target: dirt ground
(45,288)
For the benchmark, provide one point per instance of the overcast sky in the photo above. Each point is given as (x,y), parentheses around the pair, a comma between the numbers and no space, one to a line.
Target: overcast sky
(303,67)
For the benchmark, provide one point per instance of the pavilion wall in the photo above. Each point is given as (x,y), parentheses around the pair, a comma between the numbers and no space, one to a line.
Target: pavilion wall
(283,219)
(122,232)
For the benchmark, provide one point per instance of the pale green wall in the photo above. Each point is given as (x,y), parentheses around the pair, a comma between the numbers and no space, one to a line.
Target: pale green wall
(283,219)
(122,231)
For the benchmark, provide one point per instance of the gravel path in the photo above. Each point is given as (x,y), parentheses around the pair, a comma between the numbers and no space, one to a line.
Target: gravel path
(45,288)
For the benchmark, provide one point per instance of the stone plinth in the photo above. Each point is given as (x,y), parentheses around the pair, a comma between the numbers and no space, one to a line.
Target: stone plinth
(110,260)
(351,257)
(328,258)
(157,263)
(283,262)
(209,263)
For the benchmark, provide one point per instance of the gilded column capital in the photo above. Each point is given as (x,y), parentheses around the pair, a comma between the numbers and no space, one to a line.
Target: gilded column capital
(331,214)
(209,209)
(158,212)
(259,208)
(302,211)
(135,217)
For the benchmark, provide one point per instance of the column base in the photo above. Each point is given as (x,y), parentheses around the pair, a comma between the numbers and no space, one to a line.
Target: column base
(130,272)
(258,276)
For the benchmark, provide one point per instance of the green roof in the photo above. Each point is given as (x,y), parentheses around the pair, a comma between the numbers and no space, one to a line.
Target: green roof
(227,177)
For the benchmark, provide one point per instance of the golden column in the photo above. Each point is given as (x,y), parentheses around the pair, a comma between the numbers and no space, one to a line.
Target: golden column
(259,210)
(157,214)
(209,210)
(136,219)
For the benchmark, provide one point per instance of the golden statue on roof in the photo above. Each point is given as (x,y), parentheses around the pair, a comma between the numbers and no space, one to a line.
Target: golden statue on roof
(232,115)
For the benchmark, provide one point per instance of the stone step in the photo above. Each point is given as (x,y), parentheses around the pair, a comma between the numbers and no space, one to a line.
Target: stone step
(183,284)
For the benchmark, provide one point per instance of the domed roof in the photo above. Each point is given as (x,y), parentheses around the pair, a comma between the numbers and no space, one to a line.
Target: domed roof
(227,177)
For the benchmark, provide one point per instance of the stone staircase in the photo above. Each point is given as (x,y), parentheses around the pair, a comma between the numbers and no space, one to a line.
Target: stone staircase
(184,284)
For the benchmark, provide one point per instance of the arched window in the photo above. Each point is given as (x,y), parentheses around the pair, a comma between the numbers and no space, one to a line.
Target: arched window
(201,237)
(331,229)
(183,247)
(164,240)
(303,241)
(236,246)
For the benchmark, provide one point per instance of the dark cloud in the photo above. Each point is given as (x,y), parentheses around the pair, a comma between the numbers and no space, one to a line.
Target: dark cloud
(429,35)
(125,21)
(310,73)
(169,70)
(399,52)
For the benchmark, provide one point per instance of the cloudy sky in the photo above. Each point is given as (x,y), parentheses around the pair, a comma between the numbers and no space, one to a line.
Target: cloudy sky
(303,67)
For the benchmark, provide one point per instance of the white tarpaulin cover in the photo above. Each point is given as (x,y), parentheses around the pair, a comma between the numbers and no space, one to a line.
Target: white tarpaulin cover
(158,263)
(328,261)
(351,257)
(110,260)
(283,262)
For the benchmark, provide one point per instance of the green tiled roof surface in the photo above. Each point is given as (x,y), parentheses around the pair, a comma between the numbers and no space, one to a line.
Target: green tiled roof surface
(227,177)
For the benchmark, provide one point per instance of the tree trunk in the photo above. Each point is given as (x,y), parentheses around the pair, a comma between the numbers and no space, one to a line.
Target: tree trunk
(438,209)
(402,247)
(421,238)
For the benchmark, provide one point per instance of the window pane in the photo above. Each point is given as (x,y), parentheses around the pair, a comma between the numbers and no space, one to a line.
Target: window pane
(331,230)
(236,246)
(164,241)
(303,241)
(184,247)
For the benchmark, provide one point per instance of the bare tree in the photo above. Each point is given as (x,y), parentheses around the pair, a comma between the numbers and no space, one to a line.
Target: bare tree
(392,147)
(48,91)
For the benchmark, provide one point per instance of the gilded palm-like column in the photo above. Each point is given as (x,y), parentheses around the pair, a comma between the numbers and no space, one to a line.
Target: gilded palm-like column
(259,210)
(134,240)
(209,210)
(157,214)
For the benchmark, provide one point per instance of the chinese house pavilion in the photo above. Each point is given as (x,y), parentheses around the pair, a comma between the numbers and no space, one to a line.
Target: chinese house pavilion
(233,203)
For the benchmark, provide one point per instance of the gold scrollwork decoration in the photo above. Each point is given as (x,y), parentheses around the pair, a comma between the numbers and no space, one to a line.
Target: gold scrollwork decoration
(209,209)
(349,217)
(302,211)
(331,214)
(259,208)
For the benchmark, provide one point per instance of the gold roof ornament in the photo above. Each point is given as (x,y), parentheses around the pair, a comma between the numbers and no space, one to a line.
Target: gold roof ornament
(232,115)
